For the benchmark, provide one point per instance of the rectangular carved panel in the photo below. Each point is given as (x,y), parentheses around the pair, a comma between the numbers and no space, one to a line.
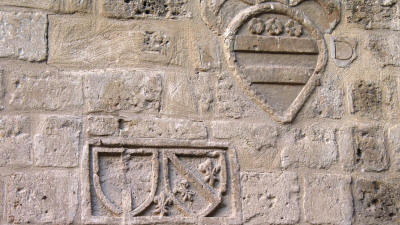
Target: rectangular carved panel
(159,181)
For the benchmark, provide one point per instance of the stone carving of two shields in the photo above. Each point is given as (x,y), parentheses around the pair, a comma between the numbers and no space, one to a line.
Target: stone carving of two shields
(147,181)
(276,50)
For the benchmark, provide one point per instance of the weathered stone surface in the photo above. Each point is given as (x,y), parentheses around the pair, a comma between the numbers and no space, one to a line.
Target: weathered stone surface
(23,35)
(144,8)
(256,142)
(178,96)
(85,41)
(229,102)
(206,51)
(57,141)
(41,197)
(370,150)
(328,101)
(163,128)
(376,202)
(271,198)
(346,148)
(2,90)
(221,112)
(2,195)
(15,141)
(205,94)
(363,147)
(63,6)
(314,147)
(391,93)
(385,47)
(373,14)
(394,143)
(114,90)
(102,125)
(43,90)
(327,199)
(365,99)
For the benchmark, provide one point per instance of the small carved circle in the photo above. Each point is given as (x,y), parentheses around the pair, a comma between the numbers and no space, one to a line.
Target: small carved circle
(256,26)
(293,28)
(273,26)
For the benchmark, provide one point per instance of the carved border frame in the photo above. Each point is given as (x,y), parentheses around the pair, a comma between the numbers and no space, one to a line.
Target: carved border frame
(278,8)
(88,218)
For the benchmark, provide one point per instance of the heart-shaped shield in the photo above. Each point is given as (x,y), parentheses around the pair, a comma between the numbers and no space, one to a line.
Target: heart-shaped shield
(277,55)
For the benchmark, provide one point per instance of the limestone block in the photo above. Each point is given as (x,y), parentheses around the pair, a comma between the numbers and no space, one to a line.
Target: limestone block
(346,148)
(256,142)
(327,199)
(62,6)
(57,141)
(365,99)
(313,147)
(178,95)
(204,91)
(371,14)
(23,35)
(270,198)
(394,145)
(15,141)
(376,202)
(44,90)
(2,89)
(41,197)
(2,195)
(85,41)
(146,8)
(163,128)
(102,125)
(230,102)
(327,100)
(363,147)
(369,147)
(385,47)
(114,90)
(390,93)
(206,50)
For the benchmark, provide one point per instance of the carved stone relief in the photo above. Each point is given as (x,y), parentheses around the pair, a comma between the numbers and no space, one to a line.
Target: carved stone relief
(160,181)
(343,50)
(172,112)
(144,8)
(274,50)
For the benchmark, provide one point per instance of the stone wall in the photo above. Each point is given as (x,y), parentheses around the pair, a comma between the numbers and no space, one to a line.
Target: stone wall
(200,112)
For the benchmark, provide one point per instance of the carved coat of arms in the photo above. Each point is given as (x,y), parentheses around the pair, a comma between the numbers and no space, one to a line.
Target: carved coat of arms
(160,182)
(275,49)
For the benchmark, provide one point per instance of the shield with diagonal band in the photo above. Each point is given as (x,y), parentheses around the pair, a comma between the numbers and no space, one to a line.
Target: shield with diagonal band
(195,180)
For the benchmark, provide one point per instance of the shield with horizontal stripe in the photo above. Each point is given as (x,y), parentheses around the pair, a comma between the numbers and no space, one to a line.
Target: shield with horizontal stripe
(277,55)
